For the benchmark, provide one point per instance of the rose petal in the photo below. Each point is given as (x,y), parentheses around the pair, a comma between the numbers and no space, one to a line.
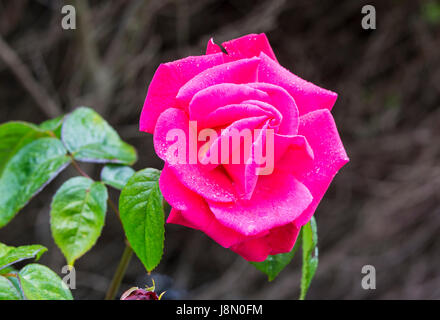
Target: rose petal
(329,156)
(243,127)
(308,97)
(278,199)
(275,114)
(254,249)
(248,46)
(241,71)
(213,184)
(167,81)
(207,101)
(191,210)
(279,240)
(282,239)
(284,103)
(176,217)
(245,174)
(228,114)
(293,154)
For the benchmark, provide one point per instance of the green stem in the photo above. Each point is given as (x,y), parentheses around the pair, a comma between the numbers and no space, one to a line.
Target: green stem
(78,168)
(119,274)
(115,209)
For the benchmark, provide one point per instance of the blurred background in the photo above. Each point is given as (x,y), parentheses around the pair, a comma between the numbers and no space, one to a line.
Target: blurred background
(383,208)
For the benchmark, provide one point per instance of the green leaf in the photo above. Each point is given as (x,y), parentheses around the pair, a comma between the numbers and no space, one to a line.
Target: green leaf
(142,216)
(4,249)
(8,291)
(53,125)
(116,176)
(40,283)
(14,136)
(91,139)
(77,216)
(310,255)
(12,275)
(18,254)
(34,166)
(5,270)
(274,264)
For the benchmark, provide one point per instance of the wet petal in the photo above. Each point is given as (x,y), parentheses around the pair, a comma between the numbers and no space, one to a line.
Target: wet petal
(248,46)
(279,240)
(284,103)
(278,199)
(329,156)
(212,184)
(293,154)
(241,71)
(167,81)
(208,100)
(308,97)
(192,211)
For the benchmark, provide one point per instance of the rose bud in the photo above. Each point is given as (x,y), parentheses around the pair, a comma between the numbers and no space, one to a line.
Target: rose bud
(136,293)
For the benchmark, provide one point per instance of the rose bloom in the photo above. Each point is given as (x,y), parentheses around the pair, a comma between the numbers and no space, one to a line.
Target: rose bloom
(255,215)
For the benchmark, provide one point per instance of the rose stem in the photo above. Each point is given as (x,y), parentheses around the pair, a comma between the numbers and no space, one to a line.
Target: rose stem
(119,274)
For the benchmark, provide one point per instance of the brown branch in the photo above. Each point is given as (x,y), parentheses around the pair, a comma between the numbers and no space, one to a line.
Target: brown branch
(103,82)
(23,74)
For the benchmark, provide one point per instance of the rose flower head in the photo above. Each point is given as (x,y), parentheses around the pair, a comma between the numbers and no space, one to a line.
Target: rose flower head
(249,147)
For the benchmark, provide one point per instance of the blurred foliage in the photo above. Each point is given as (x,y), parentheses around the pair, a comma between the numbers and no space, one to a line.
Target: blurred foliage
(431,12)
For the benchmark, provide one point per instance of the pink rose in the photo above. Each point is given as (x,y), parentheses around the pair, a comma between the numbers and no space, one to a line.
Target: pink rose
(255,206)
